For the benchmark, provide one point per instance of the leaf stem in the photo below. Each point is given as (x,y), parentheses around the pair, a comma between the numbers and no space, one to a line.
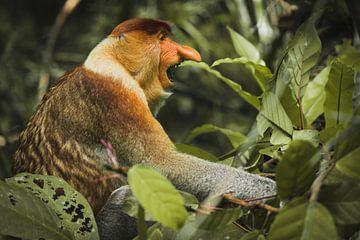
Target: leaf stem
(141,224)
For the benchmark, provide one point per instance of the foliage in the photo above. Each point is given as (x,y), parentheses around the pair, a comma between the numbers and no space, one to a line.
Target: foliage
(297,84)
(44,207)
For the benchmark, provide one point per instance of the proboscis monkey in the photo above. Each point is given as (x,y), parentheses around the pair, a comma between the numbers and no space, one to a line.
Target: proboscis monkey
(110,97)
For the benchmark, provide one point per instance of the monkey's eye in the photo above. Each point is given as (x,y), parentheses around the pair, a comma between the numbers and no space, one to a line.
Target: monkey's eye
(162,37)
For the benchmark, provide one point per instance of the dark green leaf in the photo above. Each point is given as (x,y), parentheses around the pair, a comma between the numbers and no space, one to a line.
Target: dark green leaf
(297,169)
(339,90)
(44,207)
(343,201)
(303,220)
(236,138)
(195,151)
(261,74)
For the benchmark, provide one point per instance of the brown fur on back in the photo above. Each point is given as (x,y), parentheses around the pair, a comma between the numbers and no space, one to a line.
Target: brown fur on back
(61,140)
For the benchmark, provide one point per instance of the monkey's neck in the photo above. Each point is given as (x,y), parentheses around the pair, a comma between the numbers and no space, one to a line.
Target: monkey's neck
(101,62)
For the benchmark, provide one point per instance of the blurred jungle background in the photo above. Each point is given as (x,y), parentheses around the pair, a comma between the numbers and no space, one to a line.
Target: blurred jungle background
(42,39)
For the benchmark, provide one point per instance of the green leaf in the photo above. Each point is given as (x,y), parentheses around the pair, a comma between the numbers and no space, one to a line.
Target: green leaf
(195,151)
(236,138)
(314,98)
(272,115)
(157,196)
(343,201)
(220,218)
(278,136)
(272,110)
(294,69)
(303,220)
(252,100)
(348,54)
(297,169)
(244,48)
(156,235)
(44,207)
(261,73)
(339,90)
(271,151)
(313,136)
(254,235)
(349,164)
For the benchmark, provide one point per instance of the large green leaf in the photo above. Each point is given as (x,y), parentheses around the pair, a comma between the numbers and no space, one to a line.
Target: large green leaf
(310,135)
(244,48)
(218,219)
(278,136)
(343,201)
(294,69)
(339,90)
(314,98)
(303,220)
(261,73)
(254,235)
(272,115)
(252,100)
(297,169)
(44,207)
(157,196)
(236,138)
(272,110)
(349,164)
(195,151)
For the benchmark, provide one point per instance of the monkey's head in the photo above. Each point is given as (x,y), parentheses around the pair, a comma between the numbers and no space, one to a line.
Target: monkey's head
(143,49)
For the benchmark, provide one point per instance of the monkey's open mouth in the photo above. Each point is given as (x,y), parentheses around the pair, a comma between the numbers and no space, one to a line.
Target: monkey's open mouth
(171,71)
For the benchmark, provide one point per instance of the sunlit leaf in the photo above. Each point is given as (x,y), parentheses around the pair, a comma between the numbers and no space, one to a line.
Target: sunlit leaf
(244,48)
(313,136)
(252,100)
(158,196)
(236,138)
(314,98)
(303,220)
(297,169)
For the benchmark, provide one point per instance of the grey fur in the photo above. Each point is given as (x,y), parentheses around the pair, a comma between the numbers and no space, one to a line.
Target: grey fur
(196,176)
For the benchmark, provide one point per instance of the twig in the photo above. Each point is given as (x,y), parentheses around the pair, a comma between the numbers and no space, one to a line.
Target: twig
(246,204)
(266,174)
(67,9)
(245,229)
(260,198)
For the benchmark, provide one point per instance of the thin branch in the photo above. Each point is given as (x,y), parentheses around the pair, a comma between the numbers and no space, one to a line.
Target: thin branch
(246,204)
(67,9)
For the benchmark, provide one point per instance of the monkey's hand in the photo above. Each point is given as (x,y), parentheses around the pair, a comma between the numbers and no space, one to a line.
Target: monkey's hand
(112,222)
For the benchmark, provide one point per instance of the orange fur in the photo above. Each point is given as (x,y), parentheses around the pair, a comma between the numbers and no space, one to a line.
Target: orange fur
(107,98)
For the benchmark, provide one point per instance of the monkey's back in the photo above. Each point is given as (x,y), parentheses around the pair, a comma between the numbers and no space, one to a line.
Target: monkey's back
(60,140)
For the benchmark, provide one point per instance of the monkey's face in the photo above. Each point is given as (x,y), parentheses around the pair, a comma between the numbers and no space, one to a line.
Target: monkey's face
(171,54)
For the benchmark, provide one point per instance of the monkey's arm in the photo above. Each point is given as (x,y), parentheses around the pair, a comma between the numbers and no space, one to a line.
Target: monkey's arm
(138,137)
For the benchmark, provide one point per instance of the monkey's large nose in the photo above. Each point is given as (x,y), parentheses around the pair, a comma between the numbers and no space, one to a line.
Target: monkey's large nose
(188,53)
